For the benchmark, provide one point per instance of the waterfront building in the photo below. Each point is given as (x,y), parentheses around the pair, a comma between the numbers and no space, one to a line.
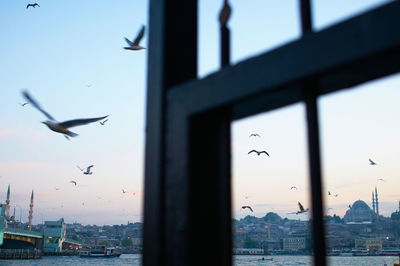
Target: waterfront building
(294,243)
(248,251)
(54,235)
(373,244)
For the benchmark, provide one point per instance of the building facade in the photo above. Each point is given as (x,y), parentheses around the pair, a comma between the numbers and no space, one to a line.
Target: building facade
(294,243)
(54,235)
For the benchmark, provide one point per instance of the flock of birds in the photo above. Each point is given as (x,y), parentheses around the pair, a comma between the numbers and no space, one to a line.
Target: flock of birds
(301,208)
(64,126)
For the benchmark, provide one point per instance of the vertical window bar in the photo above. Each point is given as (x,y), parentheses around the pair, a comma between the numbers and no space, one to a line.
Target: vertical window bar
(318,230)
(225,48)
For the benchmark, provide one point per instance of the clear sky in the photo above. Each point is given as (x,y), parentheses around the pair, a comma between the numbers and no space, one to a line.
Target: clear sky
(56,50)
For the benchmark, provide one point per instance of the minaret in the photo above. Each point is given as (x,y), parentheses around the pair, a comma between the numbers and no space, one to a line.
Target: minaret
(7,210)
(373,202)
(30,212)
(376,203)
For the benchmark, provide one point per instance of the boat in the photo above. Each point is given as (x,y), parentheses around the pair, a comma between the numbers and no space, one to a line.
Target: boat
(100,252)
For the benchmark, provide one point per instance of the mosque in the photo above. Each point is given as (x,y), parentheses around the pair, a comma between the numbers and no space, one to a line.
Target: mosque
(361,213)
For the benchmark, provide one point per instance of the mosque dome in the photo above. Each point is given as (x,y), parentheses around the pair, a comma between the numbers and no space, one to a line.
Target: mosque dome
(358,213)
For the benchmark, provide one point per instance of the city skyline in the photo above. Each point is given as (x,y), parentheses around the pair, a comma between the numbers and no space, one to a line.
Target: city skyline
(70,49)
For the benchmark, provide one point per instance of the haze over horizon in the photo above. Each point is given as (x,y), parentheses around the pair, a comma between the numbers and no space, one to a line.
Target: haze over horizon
(57,50)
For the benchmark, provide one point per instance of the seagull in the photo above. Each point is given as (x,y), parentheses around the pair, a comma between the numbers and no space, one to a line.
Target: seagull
(57,188)
(302,210)
(73,182)
(83,203)
(293,188)
(23,104)
(89,85)
(349,206)
(371,162)
(60,127)
(336,195)
(32,5)
(135,44)
(254,135)
(102,123)
(88,172)
(248,207)
(381,179)
(123,191)
(258,152)
(329,193)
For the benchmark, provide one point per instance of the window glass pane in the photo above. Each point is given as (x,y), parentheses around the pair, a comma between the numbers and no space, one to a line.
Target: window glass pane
(359,136)
(274,228)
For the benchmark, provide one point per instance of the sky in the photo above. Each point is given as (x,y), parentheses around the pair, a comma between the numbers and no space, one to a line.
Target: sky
(70,58)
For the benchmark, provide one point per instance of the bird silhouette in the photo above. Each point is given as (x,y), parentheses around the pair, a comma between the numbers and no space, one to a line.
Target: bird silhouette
(349,206)
(23,104)
(381,179)
(57,188)
(73,182)
(32,5)
(60,127)
(371,162)
(329,193)
(258,152)
(135,44)
(254,135)
(102,123)
(302,210)
(87,171)
(336,195)
(248,207)
(124,191)
(295,188)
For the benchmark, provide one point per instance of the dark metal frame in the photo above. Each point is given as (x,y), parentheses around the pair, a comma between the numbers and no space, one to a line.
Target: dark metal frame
(187,209)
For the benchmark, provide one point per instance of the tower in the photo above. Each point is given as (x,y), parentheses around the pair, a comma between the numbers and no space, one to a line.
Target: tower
(7,210)
(373,202)
(30,212)
(376,203)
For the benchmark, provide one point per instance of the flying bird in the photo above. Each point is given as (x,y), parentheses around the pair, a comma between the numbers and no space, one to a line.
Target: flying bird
(32,5)
(295,188)
(329,193)
(258,152)
(349,206)
(254,135)
(336,195)
(248,207)
(371,162)
(57,188)
(102,123)
(23,104)
(89,85)
(87,171)
(302,210)
(60,127)
(73,182)
(83,203)
(381,179)
(135,44)
(124,191)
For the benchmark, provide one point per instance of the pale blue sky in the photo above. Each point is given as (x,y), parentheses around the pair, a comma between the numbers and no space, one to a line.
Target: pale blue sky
(56,50)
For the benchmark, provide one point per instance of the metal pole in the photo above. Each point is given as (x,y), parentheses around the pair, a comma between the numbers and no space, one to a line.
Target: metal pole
(225,34)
